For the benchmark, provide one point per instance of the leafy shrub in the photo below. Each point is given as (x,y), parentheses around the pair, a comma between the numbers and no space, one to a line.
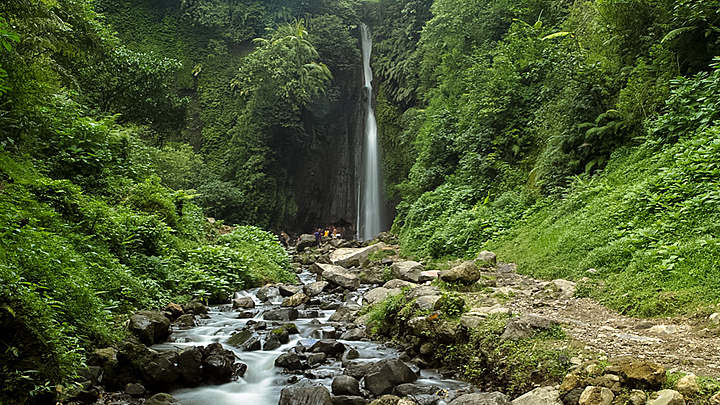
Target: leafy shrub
(451,305)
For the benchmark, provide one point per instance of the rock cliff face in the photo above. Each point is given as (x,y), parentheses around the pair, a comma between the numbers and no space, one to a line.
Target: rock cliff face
(323,174)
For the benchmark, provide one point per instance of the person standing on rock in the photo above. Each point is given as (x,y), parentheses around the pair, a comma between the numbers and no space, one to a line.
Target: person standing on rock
(318,236)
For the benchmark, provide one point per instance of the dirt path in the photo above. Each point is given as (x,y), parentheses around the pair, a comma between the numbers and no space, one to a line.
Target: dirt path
(677,344)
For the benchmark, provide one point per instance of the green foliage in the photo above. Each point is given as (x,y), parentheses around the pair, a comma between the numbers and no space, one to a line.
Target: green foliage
(451,305)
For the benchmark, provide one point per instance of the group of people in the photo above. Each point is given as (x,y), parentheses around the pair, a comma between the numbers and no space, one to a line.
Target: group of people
(320,234)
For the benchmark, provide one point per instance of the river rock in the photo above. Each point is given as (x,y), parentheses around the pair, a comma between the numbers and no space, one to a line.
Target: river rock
(243,302)
(305,241)
(486,257)
(219,364)
(316,288)
(348,400)
(295,300)
(484,398)
(190,365)
(639,373)
(667,397)
(288,290)
(305,393)
(185,321)
(426,302)
(384,375)
(397,283)
(392,400)
(539,396)
(330,347)
(466,273)
(348,257)
(596,396)
(150,327)
(267,293)
(353,334)
(345,313)
(134,389)
(339,276)
(380,294)
(175,310)
(345,385)
(195,307)
(272,342)
(281,314)
(407,270)
(314,359)
(290,361)
(526,326)
(161,399)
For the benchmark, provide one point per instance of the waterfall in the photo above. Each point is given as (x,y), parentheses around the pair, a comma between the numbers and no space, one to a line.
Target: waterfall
(369,199)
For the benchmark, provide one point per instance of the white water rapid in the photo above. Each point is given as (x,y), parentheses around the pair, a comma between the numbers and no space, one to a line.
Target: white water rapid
(369,199)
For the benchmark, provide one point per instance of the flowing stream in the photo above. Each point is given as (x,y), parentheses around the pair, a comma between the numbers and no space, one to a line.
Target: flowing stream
(262,383)
(369,199)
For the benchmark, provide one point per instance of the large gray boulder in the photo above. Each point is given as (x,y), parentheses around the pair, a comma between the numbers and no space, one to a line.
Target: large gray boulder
(384,375)
(484,398)
(150,327)
(380,294)
(295,300)
(305,393)
(316,288)
(465,273)
(339,276)
(526,326)
(348,257)
(539,396)
(305,241)
(345,385)
(407,270)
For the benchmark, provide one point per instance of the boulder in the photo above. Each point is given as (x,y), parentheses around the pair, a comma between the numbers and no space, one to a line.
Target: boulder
(272,342)
(174,310)
(384,375)
(348,400)
(687,385)
(288,290)
(539,396)
(429,275)
(243,302)
(353,334)
(564,288)
(316,288)
(150,326)
(486,258)
(339,276)
(281,314)
(305,241)
(346,313)
(465,273)
(348,257)
(330,347)
(426,302)
(484,398)
(345,385)
(639,373)
(267,293)
(526,326)
(305,393)
(190,365)
(219,364)
(185,321)
(134,389)
(380,294)
(407,270)
(596,396)
(667,397)
(195,307)
(423,290)
(290,361)
(397,283)
(314,359)
(161,399)
(295,300)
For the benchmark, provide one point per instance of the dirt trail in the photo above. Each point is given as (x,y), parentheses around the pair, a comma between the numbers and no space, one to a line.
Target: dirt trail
(677,344)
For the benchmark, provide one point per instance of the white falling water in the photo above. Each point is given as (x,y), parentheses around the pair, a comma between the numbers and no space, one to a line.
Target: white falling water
(369,200)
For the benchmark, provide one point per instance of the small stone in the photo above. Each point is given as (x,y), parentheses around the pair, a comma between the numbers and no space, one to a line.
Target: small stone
(486,257)
(244,303)
(666,329)
(688,385)
(667,397)
(637,397)
(134,389)
(596,396)
(715,318)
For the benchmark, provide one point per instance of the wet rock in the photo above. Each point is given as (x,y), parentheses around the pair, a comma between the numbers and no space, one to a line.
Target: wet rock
(354,334)
(348,400)
(159,371)
(379,294)
(348,257)
(639,374)
(596,396)
(185,321)
(384,375)
(219,364)
(290,361)
(339,276)
(305,393)
(345,313)
(174,310)
(330,347)
(485,398)
(295,300)
(357,369)
(667,397)
(288,290)
(271,343)
(345,385)
(240,338)
(281,314)
(305,241)
(539,396)
(407,270)
(195,307)
(150,327)
(245,315)
(526,326)
(466,273)
(243,302)
(190,365)
(315,359)
(350,354)
(316,288)
(267,293)
(161,399)
(397,283)
(134,389)
(486,257)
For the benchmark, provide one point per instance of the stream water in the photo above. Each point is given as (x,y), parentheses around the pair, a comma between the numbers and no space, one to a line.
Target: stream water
(262,383)
(370,200)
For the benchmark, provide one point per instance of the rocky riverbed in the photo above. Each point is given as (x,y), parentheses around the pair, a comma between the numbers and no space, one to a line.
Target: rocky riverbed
(306,343)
